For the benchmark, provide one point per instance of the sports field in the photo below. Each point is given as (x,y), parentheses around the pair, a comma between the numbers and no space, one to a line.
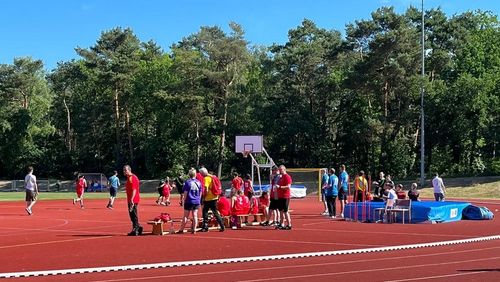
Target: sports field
(60,239)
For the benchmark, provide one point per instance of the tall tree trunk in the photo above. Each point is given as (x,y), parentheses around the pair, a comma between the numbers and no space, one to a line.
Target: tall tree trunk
(198,149)
(117,129)
(68,124)
(129,135)
(222,137)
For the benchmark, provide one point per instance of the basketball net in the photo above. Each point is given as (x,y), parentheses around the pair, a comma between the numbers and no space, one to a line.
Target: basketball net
(245,153)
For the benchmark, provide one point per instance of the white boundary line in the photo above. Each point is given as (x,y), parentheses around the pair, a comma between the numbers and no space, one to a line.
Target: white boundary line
(241,259)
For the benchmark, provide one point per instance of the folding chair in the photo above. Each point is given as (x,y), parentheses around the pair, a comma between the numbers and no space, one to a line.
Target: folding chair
(401,206)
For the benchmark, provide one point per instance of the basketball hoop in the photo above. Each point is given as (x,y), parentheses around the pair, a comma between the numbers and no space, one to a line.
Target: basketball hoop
(246,153)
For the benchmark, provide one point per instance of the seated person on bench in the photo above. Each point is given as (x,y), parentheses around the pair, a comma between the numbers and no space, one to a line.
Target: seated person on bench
(264,204)
(254,206)
(224,206)
(240,205)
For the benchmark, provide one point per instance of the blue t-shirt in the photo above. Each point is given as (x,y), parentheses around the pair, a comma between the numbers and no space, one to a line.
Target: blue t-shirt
(344,180)
(193,188)
(114,181)
(324,181)
(333,184)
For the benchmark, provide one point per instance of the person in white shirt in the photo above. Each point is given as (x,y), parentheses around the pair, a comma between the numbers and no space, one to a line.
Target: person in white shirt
(31,190)
(439,189)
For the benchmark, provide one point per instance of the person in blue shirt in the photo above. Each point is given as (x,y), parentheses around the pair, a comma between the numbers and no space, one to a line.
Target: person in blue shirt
(324,184)
(114,185)
(343,189)
(332,192)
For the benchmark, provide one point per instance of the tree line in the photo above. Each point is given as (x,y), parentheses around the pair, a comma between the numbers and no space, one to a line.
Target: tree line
(321,99)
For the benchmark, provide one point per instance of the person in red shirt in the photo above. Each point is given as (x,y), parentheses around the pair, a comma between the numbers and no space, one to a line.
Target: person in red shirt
(133,199)
(236,183)
(239,205)
(247,185)
(264,205)
(224,206)
(166,192)
(283,188)
(81,184)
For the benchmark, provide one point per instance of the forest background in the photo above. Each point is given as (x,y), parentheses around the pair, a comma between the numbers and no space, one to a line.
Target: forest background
(323,98)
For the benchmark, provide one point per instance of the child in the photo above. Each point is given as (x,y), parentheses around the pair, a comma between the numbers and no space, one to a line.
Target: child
(160,192)
(81,184)
(400,193)
(413,194)
(239,205)
(166,188)
(247,185)
(264,204)
(254,207)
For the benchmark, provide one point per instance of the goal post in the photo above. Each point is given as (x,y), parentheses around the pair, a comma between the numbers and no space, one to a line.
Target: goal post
(309,177)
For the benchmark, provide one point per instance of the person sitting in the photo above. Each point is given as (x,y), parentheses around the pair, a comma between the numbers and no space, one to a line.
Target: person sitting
(224,206)
(264,205)
(254,207)
(400,193)
(240,205)
(390,199)
(413,194)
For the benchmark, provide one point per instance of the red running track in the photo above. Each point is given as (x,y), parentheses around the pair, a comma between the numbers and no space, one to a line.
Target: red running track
(61,236)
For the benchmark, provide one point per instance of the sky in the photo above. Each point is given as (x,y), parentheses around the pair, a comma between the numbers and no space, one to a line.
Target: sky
(50,30)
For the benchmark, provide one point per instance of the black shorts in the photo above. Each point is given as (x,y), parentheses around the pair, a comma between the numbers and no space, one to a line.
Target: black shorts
(283,204)
(30,196)
(273,204)
(112,191)
(160,191)
(190,207)
(342,195)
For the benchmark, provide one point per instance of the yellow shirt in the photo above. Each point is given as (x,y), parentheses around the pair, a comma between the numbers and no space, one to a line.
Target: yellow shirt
(209,196)
(360,183)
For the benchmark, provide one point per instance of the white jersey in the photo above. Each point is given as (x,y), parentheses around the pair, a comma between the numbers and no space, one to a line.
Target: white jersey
(30,182)
(438,184)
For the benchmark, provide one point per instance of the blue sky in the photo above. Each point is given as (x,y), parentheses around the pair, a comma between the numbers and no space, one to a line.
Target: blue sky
(50,29)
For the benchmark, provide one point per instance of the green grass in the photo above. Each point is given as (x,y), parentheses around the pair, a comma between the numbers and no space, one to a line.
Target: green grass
(477,191)
(19,196)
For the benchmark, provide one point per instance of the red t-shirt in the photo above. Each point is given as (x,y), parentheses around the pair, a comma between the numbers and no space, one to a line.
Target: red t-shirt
(241,205)
(80,184)
(285,180)
(247,187)
(131,185)
(237,182)
(254,206)
(224,206)
(166,190)
(201,179)
(263,202)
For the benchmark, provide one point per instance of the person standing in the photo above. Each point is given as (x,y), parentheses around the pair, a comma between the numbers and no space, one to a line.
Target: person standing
(236,183)
(332,193)
(31,188)
(114,185)
(360,185)
(133,199)
(192,191)
(210,202)
(324,184)
(284,187)
(247,185)
(273,204)
(439,189)
(81,185)
(379,188)
(343,189)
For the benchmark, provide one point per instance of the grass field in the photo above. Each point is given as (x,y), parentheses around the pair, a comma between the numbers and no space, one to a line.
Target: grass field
(477,191)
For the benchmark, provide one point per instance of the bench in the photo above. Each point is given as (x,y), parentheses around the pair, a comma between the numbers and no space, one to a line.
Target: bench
(159,227)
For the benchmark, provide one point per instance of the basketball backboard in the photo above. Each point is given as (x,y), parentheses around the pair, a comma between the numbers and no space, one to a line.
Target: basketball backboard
(252,143)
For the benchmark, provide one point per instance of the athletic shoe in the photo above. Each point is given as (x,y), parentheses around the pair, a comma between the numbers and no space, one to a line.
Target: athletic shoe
(133,233)
(288,227)
(110,207)
(139,230)
(234,227)
(28,211)
(204,230)
(279,226)
(179,231)
(82,208)
(265,223)
(333,217)
(324,213)
(342,215)
(222,229)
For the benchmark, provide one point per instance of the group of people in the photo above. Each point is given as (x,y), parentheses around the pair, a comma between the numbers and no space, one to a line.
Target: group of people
(333,186)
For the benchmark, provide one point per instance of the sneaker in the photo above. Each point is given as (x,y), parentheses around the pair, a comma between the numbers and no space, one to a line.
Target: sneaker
(139,230)
(179,231)
(279,226)
(265,223)
(82,208)
(110,207)
(324,213)
(133,233)
(341,215)
(288,227)
(234,227)
(204,230)
(28,211)
(333,217)
(222,229)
